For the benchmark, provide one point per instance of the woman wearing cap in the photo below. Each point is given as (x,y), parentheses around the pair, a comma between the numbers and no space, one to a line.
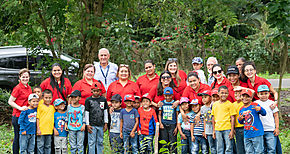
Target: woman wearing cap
(19,100)
(123,85)
(145,82)
(249,70)
(221,80)
(156,92)
(84,85)
(57,83)
(178,76)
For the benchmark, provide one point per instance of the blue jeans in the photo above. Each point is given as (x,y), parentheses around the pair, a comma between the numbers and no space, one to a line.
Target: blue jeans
(130,141)
(254,145)
(187,147)
(270,141)
(27,143)
(199,140)
(240,140)
(95,140)
(146,142)
(212,144)
(16,127)
(221,138)
(76,140)
(44,144)
(278,146)
(116,142)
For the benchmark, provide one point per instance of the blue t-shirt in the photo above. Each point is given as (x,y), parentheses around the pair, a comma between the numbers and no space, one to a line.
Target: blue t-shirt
(59,123)
(198,128)
(168,114)
(75,117)
(27,121)
(129,119)
(252,124)
(185,125)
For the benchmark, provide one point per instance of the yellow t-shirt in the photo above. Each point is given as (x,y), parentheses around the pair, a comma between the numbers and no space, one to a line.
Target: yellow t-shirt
(222,113)
(237,107)
(45,114)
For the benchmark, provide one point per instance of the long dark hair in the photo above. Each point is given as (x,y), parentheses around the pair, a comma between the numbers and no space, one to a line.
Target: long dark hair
(242,77)
(244,66)
(53,81)
(160,88)
(215,80)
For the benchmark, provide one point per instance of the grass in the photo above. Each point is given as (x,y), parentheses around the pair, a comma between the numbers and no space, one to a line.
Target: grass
(275,75)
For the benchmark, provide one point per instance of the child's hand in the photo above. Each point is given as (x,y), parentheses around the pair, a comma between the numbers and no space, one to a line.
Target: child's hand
(161,126)
(232,134)
(197,120)
(276,132)
(175,104)
(121,135)
(175,131)
(241,117)
(273,106)
(111,110)
(55,133)
(192,138)
(160,104)
(185,118)
(213,134)
(257,108)
(23,108)
(38,132)
(204,135)
(23,133)
(90,129)
(105,127)
(183,137)
(139,132)
(83,128)
(132,134)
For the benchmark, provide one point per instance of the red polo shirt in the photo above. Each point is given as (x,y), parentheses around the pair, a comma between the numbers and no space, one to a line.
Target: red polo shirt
(21,93)
(145,84)
(191,94)
(244,84)
(117,88)
(259,81)
(182,75)
(228,84)
(155,98)
(85,88)
(181,87)
(67,89)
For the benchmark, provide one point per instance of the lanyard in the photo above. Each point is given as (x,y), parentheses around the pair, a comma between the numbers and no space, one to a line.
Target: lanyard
(105,76)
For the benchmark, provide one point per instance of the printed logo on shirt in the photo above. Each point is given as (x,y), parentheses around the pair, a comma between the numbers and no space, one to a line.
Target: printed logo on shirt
(75,118)
(131,116)
(61,124)
(32,117)
(208,117)
(168,112)
(102,105)
(249,120)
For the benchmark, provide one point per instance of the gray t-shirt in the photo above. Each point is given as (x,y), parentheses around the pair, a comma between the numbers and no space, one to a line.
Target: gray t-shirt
(115,122)
(206,114)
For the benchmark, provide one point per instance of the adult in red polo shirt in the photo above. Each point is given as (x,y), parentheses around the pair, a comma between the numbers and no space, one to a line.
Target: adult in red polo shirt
(221,80)
(178,76)
(84,85)
(195,87)
(156,92)
(150,79)
(19,101)
(249,70)
(57,83)
(123,86)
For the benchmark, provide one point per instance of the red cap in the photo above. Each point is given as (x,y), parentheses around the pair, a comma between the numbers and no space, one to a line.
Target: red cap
(214,91)
(96,85)
(129,97)
(206,92)
(248,92)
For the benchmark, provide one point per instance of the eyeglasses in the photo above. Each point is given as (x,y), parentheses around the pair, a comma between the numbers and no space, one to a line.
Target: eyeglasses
(165,77)
(124,65)
(216,72)
(172,59)
(249,70)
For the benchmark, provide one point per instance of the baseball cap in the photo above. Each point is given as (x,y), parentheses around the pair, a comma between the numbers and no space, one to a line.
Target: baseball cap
(58,101)
(31,96)
(129,97)
(233,70)
(146,96)
(194,102)
(263,87)
(184,100)
(197,60)
(137,97)
(214,91)
(247,91)
(75,93)
(96,85)
(116,97)
(206,92)
(168,91)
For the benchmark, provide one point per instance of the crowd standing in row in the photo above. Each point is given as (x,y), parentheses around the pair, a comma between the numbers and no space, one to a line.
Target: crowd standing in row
(231,113)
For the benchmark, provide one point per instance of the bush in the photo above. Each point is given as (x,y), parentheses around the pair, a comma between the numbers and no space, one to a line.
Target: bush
(5,108)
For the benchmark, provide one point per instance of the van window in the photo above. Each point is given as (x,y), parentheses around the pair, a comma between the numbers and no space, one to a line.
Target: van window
(4,62)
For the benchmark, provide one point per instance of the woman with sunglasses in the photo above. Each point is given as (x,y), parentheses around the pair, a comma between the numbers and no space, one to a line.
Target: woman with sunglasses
(123,85)
(253,81)
(221,80)
(147,81)
(178,76)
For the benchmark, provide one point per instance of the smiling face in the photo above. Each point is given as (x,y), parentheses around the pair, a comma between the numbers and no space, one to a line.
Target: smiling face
(56,72)
(116,104)
(33,103)
(217,72)
(264,95)
(206,99)
(96,92)
(149,68)
(215,97)
(168,98)
(210,64)
(128,103)
(104,56)
(185,106)
(196,66)
(233,78)
(195,108)
(223,93)
(165,79)
(246,99)
(47,98)
(60,107)
(123,73)
(238,95)
(24,78)
(37,91)
(194,82)
(172,67)
(89,73)
(250,71)
(146,103)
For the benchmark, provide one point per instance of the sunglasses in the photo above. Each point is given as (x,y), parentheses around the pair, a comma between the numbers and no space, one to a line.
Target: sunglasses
(172,59)
(124,65)
(216,72)
(165,77)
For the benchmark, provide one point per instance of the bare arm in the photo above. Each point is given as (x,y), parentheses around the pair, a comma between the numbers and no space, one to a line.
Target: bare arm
(121,128)
(232,133)
(37,125)
(159,118)
(274,92)
(213,127)
(12,103)
(276,119)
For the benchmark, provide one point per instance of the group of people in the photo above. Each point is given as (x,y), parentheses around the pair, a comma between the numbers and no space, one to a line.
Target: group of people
(234,112)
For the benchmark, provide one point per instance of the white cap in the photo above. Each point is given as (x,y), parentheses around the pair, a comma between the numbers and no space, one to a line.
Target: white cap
(32,96)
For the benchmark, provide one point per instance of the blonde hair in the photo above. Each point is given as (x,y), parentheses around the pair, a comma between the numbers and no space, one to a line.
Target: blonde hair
(178,79)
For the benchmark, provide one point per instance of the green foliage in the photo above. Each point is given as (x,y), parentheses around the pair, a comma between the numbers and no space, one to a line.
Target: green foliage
(5,108)
(6,135)
(165,145)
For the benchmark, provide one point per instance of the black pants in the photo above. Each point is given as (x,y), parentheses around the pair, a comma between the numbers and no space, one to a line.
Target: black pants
(167,135)
(16,127)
